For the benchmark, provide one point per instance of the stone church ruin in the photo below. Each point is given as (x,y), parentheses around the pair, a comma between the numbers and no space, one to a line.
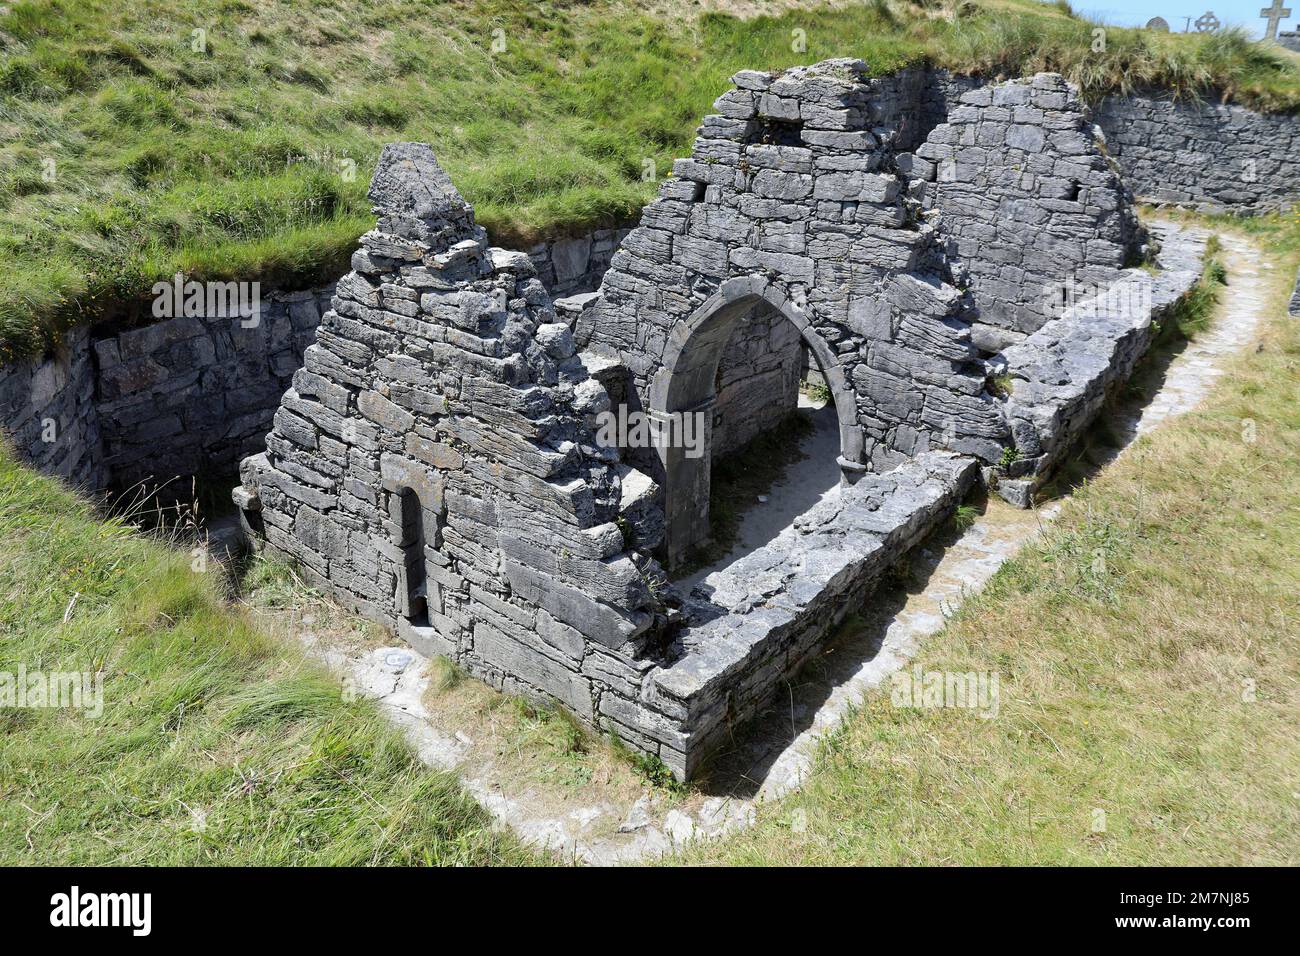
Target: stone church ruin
(439,466)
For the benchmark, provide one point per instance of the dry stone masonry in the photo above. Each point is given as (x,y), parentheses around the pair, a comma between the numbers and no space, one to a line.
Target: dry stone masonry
(1196,153)
(1059,377)
(434,464)
(47,409)
(192,395)
(1216,157)
(437,464)
(1030,202)
(576,264)
(792,201)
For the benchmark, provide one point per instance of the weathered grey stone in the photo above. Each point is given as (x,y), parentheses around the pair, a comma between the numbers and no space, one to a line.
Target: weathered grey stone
(1062,374)
(535,540)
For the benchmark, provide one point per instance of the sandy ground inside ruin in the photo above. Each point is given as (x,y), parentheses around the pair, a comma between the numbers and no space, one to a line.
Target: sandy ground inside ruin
(802,484)
(579,797)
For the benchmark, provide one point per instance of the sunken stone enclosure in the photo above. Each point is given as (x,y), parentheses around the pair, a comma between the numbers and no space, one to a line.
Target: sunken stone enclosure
(439,463)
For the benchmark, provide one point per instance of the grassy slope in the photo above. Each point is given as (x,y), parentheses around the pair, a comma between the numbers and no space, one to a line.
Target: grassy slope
(1122,681)
(125,155)
(204,718)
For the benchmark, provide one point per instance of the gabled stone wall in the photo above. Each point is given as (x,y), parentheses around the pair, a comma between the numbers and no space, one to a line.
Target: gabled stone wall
(792,197)
(433,465)
(792,185)
(1028,201)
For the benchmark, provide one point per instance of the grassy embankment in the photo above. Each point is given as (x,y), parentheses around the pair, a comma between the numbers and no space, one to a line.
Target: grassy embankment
(1149,659)
(216,744)
(132,147)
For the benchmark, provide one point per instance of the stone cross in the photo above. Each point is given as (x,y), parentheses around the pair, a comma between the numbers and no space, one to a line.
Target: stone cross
(1274,15)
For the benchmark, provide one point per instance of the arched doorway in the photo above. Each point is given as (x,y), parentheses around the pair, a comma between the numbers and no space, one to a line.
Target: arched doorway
(687,385)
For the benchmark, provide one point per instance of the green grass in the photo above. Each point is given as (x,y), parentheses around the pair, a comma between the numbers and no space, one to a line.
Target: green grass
(1193,314)
(216,745)
(127,155)
(1149,660)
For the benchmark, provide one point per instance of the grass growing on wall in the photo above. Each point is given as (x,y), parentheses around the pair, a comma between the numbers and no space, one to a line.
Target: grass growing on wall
(133,146)
(215,745)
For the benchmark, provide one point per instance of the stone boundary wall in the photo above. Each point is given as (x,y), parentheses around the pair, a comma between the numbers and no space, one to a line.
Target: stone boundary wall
(1209,156)
(47,409)
(192,396)
(1204,155)
(571,266)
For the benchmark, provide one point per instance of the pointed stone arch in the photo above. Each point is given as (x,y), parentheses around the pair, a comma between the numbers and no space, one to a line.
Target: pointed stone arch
(685,383)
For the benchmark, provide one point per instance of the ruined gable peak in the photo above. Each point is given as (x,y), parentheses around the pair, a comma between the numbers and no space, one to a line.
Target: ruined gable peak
(414,198)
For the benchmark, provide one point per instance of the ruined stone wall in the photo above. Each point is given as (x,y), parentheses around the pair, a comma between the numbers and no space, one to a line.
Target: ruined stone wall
(1060,377)
(752,625)
(758,379)
(47,410)
(577,264)
(194,395)
(792,189)
(435,468)
(1028,202)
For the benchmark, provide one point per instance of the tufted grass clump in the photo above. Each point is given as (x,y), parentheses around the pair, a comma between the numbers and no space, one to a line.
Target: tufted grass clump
(1023,40)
